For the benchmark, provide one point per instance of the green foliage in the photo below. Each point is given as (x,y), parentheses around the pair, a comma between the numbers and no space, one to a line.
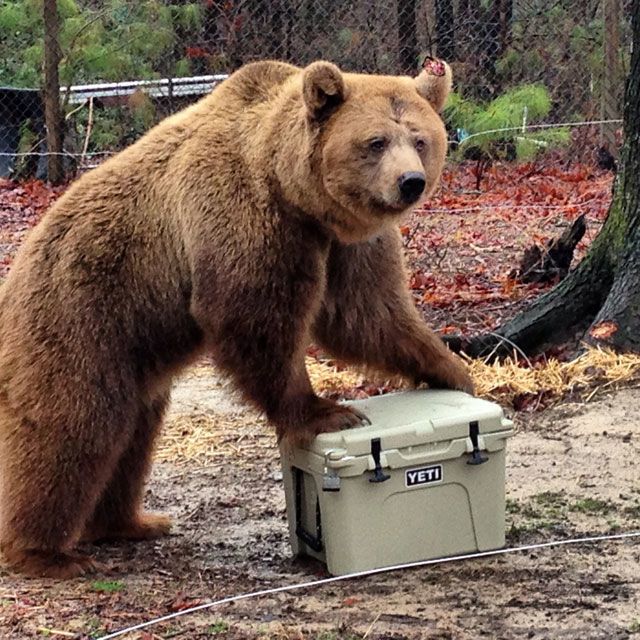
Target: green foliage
(182,68)
(116,127)
(563,48)
(109,41)
(12,18)
(27,143)
(505,120)
(188,16)
(120,40)
(592,505)
(529,145)
(107,586)
(20,26)
(218,628)
(459,112)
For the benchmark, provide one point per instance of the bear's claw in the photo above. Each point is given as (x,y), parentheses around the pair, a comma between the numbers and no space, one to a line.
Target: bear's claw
(329,416)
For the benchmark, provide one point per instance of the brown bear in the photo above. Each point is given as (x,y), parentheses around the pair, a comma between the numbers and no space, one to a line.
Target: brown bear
(252,222)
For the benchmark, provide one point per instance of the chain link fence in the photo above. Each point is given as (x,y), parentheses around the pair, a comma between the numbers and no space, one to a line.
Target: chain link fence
(124,64)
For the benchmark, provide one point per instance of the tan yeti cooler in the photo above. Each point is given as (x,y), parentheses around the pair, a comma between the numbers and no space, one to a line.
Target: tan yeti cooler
(424,480)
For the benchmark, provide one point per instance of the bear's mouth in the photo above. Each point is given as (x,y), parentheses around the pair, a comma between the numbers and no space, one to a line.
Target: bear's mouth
(382,208)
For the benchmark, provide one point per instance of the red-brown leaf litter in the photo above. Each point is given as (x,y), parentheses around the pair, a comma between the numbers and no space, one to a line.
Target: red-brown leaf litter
(461,246)
(22,204)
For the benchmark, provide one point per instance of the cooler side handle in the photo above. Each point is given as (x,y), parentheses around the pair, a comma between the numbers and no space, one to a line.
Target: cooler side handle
(313,542)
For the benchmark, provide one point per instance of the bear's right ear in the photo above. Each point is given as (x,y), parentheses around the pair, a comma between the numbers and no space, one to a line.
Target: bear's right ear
(323,89)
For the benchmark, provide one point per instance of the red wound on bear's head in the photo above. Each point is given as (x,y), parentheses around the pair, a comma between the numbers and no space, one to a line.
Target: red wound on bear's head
(434,66)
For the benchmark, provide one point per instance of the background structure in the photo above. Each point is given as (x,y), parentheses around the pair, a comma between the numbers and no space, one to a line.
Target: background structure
(121,65)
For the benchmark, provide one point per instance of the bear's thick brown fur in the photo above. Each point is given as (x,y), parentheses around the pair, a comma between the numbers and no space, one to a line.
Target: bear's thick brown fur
(260,218)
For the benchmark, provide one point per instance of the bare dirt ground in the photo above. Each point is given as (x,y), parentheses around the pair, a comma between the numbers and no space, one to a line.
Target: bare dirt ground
(571,471)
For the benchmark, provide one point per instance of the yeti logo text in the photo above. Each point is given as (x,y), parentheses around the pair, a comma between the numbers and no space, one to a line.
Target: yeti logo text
(424,475)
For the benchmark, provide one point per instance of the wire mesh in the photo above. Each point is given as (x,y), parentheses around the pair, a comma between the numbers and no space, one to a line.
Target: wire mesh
(125,64)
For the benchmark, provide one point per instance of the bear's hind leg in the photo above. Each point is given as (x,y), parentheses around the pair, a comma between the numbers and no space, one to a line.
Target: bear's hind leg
(118,515)
(53,472)
(50,564)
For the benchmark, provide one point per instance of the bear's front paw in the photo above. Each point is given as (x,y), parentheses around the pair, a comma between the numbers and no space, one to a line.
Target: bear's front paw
(449,373)
(326,416)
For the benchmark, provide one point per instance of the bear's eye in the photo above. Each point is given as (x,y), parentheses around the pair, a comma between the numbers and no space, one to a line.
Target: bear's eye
(420,145)
(377,144)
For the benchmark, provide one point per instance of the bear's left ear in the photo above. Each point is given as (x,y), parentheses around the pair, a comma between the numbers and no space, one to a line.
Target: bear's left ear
(434,82)
(323,89)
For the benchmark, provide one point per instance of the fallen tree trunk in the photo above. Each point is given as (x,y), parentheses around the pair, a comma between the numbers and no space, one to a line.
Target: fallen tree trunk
(551,263)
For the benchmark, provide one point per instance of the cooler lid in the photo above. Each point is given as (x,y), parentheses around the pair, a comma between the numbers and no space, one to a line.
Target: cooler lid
(413,418)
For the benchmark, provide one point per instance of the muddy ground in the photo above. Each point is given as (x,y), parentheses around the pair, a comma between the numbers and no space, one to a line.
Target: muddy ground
(571,471)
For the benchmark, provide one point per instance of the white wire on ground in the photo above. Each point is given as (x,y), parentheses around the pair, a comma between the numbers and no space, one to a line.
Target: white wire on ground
(370,572)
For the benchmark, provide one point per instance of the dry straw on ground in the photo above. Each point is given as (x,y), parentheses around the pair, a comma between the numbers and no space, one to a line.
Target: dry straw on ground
(593,371)
(210,437)
(506,381)
(215,436)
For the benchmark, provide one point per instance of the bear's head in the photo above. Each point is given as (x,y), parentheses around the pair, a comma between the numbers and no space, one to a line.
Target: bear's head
(380,144)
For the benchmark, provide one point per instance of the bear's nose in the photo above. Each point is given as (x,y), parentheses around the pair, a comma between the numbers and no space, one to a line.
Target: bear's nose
(411,185)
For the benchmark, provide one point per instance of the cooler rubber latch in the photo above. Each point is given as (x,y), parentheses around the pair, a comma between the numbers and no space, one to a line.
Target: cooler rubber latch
(477,457)
(378,474)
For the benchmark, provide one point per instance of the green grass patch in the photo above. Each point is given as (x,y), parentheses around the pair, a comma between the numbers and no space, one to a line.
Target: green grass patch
(518,531)
(542,512)
(614,526)
(512,506)
(94,628)
(551,499)
(218,627)
(107,586)
(592,506)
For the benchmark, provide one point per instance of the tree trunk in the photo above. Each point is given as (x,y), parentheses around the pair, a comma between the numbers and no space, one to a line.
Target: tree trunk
(445,30)
(407,35)
(611,77)
(52,114)
(505,18)
(495,29)
(600,300)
